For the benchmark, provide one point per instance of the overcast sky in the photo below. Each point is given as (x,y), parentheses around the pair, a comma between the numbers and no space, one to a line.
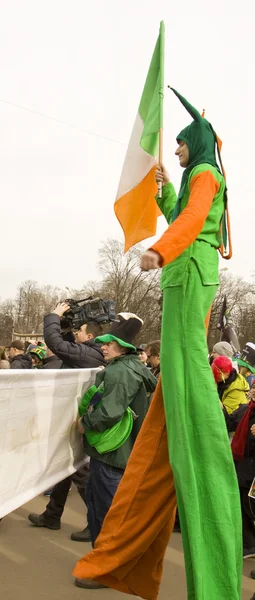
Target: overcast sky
(85,63)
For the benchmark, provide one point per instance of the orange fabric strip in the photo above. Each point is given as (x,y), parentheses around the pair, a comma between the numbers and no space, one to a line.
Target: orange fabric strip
(137,211)
(184,231)
(130,549)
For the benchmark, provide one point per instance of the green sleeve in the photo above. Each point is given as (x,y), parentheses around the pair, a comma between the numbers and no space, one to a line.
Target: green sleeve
(168,201)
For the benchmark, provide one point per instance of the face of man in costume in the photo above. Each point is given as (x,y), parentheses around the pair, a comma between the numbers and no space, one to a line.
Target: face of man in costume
(183,153)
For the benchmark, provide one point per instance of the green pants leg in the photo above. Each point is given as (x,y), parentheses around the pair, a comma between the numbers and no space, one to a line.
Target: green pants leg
(199,450)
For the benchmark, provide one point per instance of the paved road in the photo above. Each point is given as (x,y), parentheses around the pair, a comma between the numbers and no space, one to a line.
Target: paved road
(37,563)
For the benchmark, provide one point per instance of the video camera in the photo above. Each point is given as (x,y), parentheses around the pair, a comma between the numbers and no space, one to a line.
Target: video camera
(87,310)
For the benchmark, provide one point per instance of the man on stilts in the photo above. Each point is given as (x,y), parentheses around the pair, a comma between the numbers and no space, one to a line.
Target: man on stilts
(183,446)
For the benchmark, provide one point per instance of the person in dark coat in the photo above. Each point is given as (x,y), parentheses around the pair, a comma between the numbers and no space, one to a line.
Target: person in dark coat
(84,353)
(18,358)
(153,357)
(242,422)
(51,361)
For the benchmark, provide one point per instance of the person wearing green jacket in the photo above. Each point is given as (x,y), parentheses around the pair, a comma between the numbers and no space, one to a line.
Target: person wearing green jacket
(113,417)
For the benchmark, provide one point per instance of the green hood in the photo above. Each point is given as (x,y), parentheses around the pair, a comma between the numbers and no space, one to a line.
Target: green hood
(201,141)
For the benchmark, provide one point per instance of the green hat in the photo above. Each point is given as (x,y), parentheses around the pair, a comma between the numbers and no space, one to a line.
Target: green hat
(243,363)
(105,339)
(39,351)
(247,358)
(123,330)
(202,143)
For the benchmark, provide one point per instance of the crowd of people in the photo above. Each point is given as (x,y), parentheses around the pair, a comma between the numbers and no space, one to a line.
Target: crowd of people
(86,348)
(121,397)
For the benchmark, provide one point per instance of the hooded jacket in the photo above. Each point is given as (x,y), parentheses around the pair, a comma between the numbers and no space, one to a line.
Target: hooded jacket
(22,361)
(127,382)
(233,392)
(87,355)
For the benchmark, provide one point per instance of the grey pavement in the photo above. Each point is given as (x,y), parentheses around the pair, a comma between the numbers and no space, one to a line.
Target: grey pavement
(38,563)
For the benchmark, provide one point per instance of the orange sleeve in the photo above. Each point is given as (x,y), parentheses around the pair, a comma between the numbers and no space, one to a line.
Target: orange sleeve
(184,231)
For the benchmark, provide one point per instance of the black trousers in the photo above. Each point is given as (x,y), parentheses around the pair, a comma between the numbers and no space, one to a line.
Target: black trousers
(101,489)
(248,517)
(56,505)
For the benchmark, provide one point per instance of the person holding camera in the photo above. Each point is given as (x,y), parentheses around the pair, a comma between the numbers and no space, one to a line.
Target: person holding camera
(84,353)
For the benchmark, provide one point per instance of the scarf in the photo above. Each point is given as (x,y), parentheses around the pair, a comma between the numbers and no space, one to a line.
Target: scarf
(241,434)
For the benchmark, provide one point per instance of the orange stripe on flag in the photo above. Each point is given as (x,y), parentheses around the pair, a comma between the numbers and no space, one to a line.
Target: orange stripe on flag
(137,211)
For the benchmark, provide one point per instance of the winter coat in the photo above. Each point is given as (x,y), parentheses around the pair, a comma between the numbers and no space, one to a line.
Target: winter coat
(52,362)
(233,391)
(126,382)
(22,361)
(74,356)
(245,468)
(156,371)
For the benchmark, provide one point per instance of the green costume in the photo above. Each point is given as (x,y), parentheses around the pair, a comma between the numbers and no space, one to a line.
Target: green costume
(195,451)
(199,450)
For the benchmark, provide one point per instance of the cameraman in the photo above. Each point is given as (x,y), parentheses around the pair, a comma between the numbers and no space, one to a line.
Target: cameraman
(81,354)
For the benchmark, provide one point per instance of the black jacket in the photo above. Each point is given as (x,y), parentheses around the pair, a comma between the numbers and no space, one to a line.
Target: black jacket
(74,356)
(52,362)
(245,468)
(22,361)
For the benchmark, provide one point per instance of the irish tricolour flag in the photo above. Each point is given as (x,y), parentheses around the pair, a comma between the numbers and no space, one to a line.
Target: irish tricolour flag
(135,206)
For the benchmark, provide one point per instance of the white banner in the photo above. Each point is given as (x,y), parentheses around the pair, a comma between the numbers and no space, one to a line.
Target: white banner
(39,444)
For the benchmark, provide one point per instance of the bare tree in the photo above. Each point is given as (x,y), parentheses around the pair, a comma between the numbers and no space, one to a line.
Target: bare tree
(133,290)
(32,303)
(241,302)
(7,319)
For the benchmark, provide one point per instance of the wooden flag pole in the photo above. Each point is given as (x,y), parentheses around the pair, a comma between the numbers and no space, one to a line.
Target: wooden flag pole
(161,100)
(160,159)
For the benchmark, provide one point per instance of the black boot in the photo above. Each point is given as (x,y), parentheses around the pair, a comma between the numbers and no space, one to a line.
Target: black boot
(81,536)
(41,521)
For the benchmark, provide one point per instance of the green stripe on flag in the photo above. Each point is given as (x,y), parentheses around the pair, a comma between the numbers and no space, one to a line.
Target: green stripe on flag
(151,104)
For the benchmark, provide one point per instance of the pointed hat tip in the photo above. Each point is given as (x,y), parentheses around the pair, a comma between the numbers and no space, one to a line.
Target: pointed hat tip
(191,109)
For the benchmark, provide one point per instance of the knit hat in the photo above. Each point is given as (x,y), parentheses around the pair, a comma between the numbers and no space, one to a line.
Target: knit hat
(223,349)
(221,364)
(247,358)
(123,330)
